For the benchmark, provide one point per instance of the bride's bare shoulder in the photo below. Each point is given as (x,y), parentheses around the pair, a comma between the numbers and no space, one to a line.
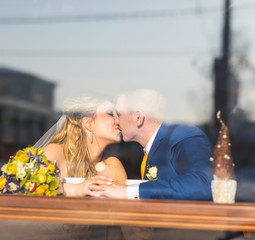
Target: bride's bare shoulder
(111,160)
(53,151)
(115,169)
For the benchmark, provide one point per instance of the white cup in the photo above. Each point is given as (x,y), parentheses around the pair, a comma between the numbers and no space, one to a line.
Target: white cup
(224,191)
(134,181)
(74,180)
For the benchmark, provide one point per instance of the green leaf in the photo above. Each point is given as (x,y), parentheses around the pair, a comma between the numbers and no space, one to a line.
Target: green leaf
(39,151)
(27,192)
(24,180)
(34,179)
(51,193)
(44,160)
(49,178)
(54,184)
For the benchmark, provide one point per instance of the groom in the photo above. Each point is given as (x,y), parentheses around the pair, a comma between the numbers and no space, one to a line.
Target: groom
(176,157)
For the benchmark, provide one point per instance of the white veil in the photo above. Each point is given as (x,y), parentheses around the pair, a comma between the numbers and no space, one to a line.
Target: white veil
(83,106)
(45,139)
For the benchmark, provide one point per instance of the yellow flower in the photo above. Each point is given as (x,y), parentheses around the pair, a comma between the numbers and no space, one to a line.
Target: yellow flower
(43,169)
(41,178)
(21,157)
(32,149)
(51,167)
(46,187)
(10,168)
(40,190)
(2,183)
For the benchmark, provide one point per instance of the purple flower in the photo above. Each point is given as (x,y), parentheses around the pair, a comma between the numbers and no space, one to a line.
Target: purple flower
(38,159)
(18,185)
(6,187)
(29,153)
(9,179)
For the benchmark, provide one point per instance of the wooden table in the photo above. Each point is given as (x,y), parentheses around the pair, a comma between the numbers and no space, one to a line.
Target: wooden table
(145,213)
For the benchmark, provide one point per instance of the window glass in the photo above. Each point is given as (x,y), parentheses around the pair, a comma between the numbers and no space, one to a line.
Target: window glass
(199,54)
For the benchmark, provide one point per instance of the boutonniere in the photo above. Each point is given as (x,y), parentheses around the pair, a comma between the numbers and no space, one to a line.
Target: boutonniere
(152,173)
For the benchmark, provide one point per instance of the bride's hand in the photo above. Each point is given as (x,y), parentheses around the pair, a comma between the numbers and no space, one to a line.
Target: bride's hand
(84,188)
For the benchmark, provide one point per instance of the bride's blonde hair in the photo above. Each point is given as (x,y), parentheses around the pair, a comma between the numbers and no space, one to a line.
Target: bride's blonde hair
(74,138)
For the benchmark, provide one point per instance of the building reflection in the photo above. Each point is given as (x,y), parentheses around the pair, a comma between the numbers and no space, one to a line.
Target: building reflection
(26,110)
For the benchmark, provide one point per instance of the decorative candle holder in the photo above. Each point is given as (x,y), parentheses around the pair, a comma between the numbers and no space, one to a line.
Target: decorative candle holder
(224,191)
(224,184)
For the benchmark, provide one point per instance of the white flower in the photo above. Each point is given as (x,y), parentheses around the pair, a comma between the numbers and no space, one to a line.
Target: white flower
(12,187)
(29,166)
(153,171)
(4,167)
(21,171)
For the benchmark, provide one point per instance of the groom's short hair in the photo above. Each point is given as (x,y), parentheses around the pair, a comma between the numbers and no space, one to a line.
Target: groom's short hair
(148,101)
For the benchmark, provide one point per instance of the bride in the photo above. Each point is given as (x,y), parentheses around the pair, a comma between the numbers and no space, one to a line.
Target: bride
(77,143)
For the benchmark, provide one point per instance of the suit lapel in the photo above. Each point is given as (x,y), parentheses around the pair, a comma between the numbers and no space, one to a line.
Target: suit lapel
(159,137)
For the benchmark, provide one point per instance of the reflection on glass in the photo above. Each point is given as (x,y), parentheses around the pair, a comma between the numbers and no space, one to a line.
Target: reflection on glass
(25,230)
(198,55)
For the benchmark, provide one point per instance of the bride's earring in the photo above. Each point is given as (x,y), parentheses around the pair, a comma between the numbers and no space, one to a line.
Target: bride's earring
(91,137)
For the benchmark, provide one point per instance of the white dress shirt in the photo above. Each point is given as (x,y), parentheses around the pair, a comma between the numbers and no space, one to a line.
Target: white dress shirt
(133,190)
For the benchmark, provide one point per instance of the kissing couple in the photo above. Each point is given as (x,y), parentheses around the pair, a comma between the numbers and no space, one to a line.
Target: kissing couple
(176,156)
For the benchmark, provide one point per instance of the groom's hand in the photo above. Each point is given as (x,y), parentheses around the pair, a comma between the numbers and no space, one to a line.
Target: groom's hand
(115,190)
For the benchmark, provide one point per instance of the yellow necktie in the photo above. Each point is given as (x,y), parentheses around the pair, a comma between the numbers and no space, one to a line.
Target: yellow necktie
(143,165)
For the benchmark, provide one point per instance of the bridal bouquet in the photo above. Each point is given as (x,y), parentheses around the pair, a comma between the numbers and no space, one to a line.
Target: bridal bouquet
(29,172)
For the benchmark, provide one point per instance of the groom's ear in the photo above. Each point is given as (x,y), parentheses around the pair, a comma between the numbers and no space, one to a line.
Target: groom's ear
(87,123)
(139,118)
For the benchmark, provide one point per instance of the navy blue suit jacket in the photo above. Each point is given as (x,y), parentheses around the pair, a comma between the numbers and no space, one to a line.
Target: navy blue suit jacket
(181,153)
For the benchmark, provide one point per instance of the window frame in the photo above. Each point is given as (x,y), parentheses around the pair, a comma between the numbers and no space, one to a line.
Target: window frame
(144,213)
